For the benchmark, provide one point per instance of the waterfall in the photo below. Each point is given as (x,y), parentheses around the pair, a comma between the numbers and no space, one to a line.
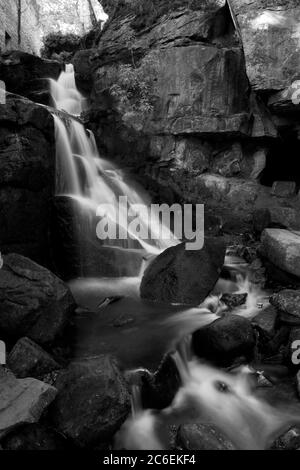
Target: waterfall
(90,181)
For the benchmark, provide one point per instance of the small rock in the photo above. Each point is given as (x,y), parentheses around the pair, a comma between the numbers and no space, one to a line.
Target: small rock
(27,359)
(288,441)
(287,301)
(202,437)
(22,400)
(92,401)
(266,320)
(225,340)
(182,276)
(284,188)
(234,300)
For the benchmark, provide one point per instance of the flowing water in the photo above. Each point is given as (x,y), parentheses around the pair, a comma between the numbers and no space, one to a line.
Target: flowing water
(226,400)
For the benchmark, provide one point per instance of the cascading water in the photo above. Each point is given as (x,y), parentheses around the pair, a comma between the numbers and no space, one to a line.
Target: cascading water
(91,181)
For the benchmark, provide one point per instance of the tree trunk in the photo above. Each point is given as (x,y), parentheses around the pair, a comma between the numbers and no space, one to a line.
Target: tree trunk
(19,21)
(92,13)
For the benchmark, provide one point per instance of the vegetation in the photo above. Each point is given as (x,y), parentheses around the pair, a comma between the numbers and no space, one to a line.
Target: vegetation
(148,12)
(133,87)
(59,44)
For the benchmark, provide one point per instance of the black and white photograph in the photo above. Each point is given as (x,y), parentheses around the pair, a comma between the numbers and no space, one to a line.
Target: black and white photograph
(149,229)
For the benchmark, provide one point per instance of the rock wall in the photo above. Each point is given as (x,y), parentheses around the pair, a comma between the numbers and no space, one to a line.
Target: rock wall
(27,176)
(30,33)
(214,127)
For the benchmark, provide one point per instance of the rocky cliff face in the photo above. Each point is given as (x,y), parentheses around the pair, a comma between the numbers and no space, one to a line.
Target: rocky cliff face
(213,130)
(27,175)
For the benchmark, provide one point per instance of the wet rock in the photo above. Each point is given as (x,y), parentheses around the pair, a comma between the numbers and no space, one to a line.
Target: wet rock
(23,73)
(288,302)
(288,441)
(282,248)
(182,276)
(92,401)
(22,401)
(224,340)
(34,437)
(27,359)
(202,437)
(266,321)
(234,300)
(33,301)
(159,389)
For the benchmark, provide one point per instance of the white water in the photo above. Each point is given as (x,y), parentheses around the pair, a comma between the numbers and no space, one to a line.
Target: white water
(92,181)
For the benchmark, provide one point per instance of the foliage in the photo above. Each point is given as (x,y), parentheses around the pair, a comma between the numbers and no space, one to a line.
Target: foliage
(58,43)
(133,86)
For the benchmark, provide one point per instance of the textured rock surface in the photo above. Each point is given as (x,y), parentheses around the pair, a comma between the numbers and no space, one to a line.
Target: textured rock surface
(287,301)
(28,359)
(23,73)
(92,402)
(22,401)
(33,302)
(282,248)
(27,162)
(202,437)
(225,339)
(34,437)
(182,276)
(270,34)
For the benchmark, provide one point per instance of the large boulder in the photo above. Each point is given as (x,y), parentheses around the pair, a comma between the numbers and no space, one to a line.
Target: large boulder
(182,276)
(33,301)
(282,248)
(22,401)
(92,402)
(225,340)
(28,359)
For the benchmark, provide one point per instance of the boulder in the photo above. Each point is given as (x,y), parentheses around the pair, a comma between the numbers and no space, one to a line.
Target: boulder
(27,359)
(225,340)
(282,248)
(22,401)
(33,301)
(287,301)
(92,401)
(182,276)
(34,437)
(202,437)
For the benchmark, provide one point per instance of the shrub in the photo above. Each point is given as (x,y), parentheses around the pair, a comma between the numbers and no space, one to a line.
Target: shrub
(58,43)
